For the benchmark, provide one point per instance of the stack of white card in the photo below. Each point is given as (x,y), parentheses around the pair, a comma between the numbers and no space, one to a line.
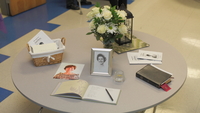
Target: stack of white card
(144,57)
(41,43)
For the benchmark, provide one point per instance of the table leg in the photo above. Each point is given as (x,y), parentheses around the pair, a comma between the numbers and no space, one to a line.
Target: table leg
(40,110)
(154,109)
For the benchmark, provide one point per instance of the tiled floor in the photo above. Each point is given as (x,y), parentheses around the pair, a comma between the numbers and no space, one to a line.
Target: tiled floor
(174,21)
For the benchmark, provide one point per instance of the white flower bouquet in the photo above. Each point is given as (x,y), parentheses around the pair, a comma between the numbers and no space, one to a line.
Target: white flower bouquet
(107,23)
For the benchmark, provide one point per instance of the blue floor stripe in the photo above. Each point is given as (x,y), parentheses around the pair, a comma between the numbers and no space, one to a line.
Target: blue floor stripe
(130,1)
(3,57)
(36,18)
(4,93)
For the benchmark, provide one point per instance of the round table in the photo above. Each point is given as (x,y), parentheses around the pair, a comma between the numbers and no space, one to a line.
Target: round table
(37,83)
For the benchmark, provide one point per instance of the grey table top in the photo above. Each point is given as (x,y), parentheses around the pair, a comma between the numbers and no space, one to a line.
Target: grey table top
(37,83)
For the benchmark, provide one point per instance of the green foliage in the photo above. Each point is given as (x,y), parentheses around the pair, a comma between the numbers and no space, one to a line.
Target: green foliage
(89,33)
(97,4)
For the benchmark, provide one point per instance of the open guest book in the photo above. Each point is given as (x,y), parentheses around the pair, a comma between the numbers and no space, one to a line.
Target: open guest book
(80,89)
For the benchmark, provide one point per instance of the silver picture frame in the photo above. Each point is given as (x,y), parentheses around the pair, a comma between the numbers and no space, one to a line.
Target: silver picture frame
(101,62)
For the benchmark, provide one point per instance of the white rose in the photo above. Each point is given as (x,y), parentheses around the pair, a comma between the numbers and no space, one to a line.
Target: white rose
(107,14)
(95,10)
(122,29)
(101,29)
(90,15)
(122,14)
(106,7)
(91,24)
(98,15)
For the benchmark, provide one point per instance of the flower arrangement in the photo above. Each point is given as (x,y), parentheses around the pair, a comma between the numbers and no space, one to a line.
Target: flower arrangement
(107,23)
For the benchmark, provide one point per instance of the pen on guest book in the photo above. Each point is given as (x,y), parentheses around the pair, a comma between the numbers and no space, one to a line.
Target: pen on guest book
(109,94)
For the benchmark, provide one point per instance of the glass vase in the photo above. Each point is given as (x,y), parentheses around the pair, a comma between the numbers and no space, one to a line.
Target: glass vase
(108,46)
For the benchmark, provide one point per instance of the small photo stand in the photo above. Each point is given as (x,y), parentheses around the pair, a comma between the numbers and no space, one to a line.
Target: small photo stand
(101,62)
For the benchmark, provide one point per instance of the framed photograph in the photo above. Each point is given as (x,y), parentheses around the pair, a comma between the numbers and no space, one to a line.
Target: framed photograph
(101,62)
